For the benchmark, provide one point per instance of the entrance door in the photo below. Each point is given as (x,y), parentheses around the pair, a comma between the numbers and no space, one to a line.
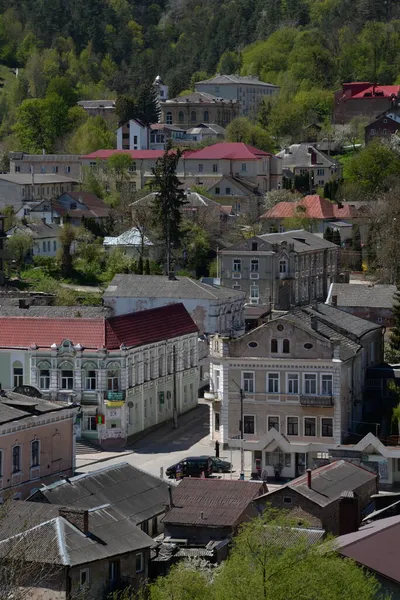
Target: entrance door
(216,421)
(301,463)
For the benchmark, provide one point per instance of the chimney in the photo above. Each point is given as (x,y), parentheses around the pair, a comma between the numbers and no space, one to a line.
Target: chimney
(349,519)
(76,516)
(309,478)
(314,322)
(334,300)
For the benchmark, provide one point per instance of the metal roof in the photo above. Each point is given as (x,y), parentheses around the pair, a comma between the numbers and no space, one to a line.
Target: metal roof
(228,79)
(132,237)
(367,296)
(39,178)
(14,406)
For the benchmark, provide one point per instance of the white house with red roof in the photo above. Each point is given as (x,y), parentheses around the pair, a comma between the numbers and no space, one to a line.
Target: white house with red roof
(129,372)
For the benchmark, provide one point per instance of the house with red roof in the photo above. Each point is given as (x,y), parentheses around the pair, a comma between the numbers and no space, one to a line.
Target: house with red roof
(321,212)
(363,98)
(129,372)
(73,207)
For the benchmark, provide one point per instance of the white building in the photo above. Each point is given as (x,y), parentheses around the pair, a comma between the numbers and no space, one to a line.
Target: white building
(45,237)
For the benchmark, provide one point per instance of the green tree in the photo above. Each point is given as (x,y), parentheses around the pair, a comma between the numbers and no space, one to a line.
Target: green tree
(243,130)
(230,63)
(118,166)
(40,122)
(92,135)
(66,238)
(117,262)
(18,246)
(147,267)
(125,108)
(395,332)
(168,201)
(300,220)
(62,87)
(372,166)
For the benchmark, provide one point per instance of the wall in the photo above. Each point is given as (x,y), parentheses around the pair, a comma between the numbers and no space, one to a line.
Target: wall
(221,113)
(380,316)
(66,168)
(46,246)
(345,110)
(10,194)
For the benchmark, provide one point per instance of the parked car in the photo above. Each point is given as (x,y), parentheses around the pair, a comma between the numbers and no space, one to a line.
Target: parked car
(193,466)
(220,466)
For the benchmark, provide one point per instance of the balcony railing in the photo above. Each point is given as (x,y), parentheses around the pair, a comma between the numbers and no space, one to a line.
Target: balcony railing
(316,400)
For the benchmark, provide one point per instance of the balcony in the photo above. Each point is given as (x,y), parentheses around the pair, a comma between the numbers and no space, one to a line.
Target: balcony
(316,400)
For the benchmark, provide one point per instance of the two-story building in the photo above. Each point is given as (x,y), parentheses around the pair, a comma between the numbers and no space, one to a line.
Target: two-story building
(45,237)
(199,107)
(37,441)
(71,207)
(383,127)
(67,165)
(280,269)
(296,384)
(18,188)
(305,159)
(129,372)
(363,98)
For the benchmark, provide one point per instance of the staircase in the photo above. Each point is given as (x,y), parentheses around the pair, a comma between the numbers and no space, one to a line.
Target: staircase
(84,446)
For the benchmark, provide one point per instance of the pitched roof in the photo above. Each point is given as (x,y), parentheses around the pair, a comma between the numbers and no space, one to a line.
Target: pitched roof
(316,208)
(40,178)
(196,98)
(303,241)
(131,492)
(15,406)
(211,502)
(37,230)
(134,329)
(377,91)
(91,201)
(328,482)
(374,546)
(38,533)
(192,200)
(132,237)
(227,151)
(158,286)
(229,79)
(52,312)
(368,296)
(300,155)
(135,154)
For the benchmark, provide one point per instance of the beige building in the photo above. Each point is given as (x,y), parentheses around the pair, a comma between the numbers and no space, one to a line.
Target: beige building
(18,189)
(67,165)
(302,378)
(37,442)
(199,107)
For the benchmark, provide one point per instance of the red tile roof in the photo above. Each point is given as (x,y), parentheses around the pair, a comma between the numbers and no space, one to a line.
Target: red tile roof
(135,154)
(228,151)
(134,329)
(316,208)
(377,91)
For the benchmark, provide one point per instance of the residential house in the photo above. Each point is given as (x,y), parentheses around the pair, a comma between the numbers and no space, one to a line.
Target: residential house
(161,134)
(134,244)
(17,189)
(280,269)
(306,159)
(371,302)
(67,165)
(205,131)
(206,514)
(71,207)
(136,135)
(64,552)
(2,248)
(37,439)
(132,493)
(96,108)
(302,376)
(198,107)
(248,91)
(383,126)
(336,494)
(45,237)
(320,214)
(363,99)
(129,372)
(374,547)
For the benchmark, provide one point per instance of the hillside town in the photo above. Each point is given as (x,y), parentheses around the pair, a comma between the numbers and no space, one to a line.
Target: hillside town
(199,301)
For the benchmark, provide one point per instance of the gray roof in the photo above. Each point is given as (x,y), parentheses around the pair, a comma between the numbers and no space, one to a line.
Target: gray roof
(196,97)
(97,103)
(38,230)
(132,237)
(327,482)
(14,406)
(158,286)
(303,241)
(40,178)
(37,532)
(228,79)
(54,312)
(43,158)
(131,492)
(297,155)
(368,296)
(192,199)
(204,127)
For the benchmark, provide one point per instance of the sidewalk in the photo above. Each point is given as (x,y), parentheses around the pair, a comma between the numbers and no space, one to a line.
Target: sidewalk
(84,460)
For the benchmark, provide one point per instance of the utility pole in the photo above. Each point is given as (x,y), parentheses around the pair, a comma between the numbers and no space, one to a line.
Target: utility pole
(175,410)
(241,436)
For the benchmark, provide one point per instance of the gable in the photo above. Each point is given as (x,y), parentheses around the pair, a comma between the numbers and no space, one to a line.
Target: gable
(247,245)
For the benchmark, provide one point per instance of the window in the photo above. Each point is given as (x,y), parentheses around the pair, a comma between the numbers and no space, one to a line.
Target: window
(320,172)
(168,118)
(215,168)
(68,169)
(287,500)
(18,169)
(248,424)
(326,385)
(200,168)
(248,382)
(282,266)
(385,132)
(114,570)
(274,346)
(35,453)
(206,116)
(326,427)
(254,265)
(44,246)
(90,423)
(18,374)
(44,379)
(254,294)
(84,578)
(293,383)
(90,383)
(254,246)
(48,246)
(292,426)
(54,245)
(181,117)
(228,191)
(217,191)
(67,380)
(139,563)
(273,422)
(310,384)
(55,169)
(237,265)
(310,426)
(244,167)
(217,375)
(193,116)
(113,380)
(16,459)
(273,383)
(286,346)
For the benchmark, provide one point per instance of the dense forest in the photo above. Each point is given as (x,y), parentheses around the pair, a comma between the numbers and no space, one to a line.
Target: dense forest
(68,50)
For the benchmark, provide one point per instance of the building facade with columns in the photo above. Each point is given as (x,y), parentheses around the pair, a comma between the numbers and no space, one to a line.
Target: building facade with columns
(128,373)
(302,376)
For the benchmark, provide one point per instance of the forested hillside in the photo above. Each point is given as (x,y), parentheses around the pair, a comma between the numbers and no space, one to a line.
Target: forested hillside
(70,49)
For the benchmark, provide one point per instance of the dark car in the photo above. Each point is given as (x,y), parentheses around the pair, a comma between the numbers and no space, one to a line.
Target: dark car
(220,466)
(193,466)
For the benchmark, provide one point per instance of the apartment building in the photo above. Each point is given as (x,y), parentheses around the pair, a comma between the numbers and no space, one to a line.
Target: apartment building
(248,91)
(281,269)
(20,188)
(199,107)
(67,165)
(302,378)
(129,372)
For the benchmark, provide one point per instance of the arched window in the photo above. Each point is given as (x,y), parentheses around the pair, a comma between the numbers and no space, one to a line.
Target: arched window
(274,346)
(206,116)
(181,116)
(18,374)
(286,346)
(90,376)
(168,118)
(44,375)
(66,376)
(193,116)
